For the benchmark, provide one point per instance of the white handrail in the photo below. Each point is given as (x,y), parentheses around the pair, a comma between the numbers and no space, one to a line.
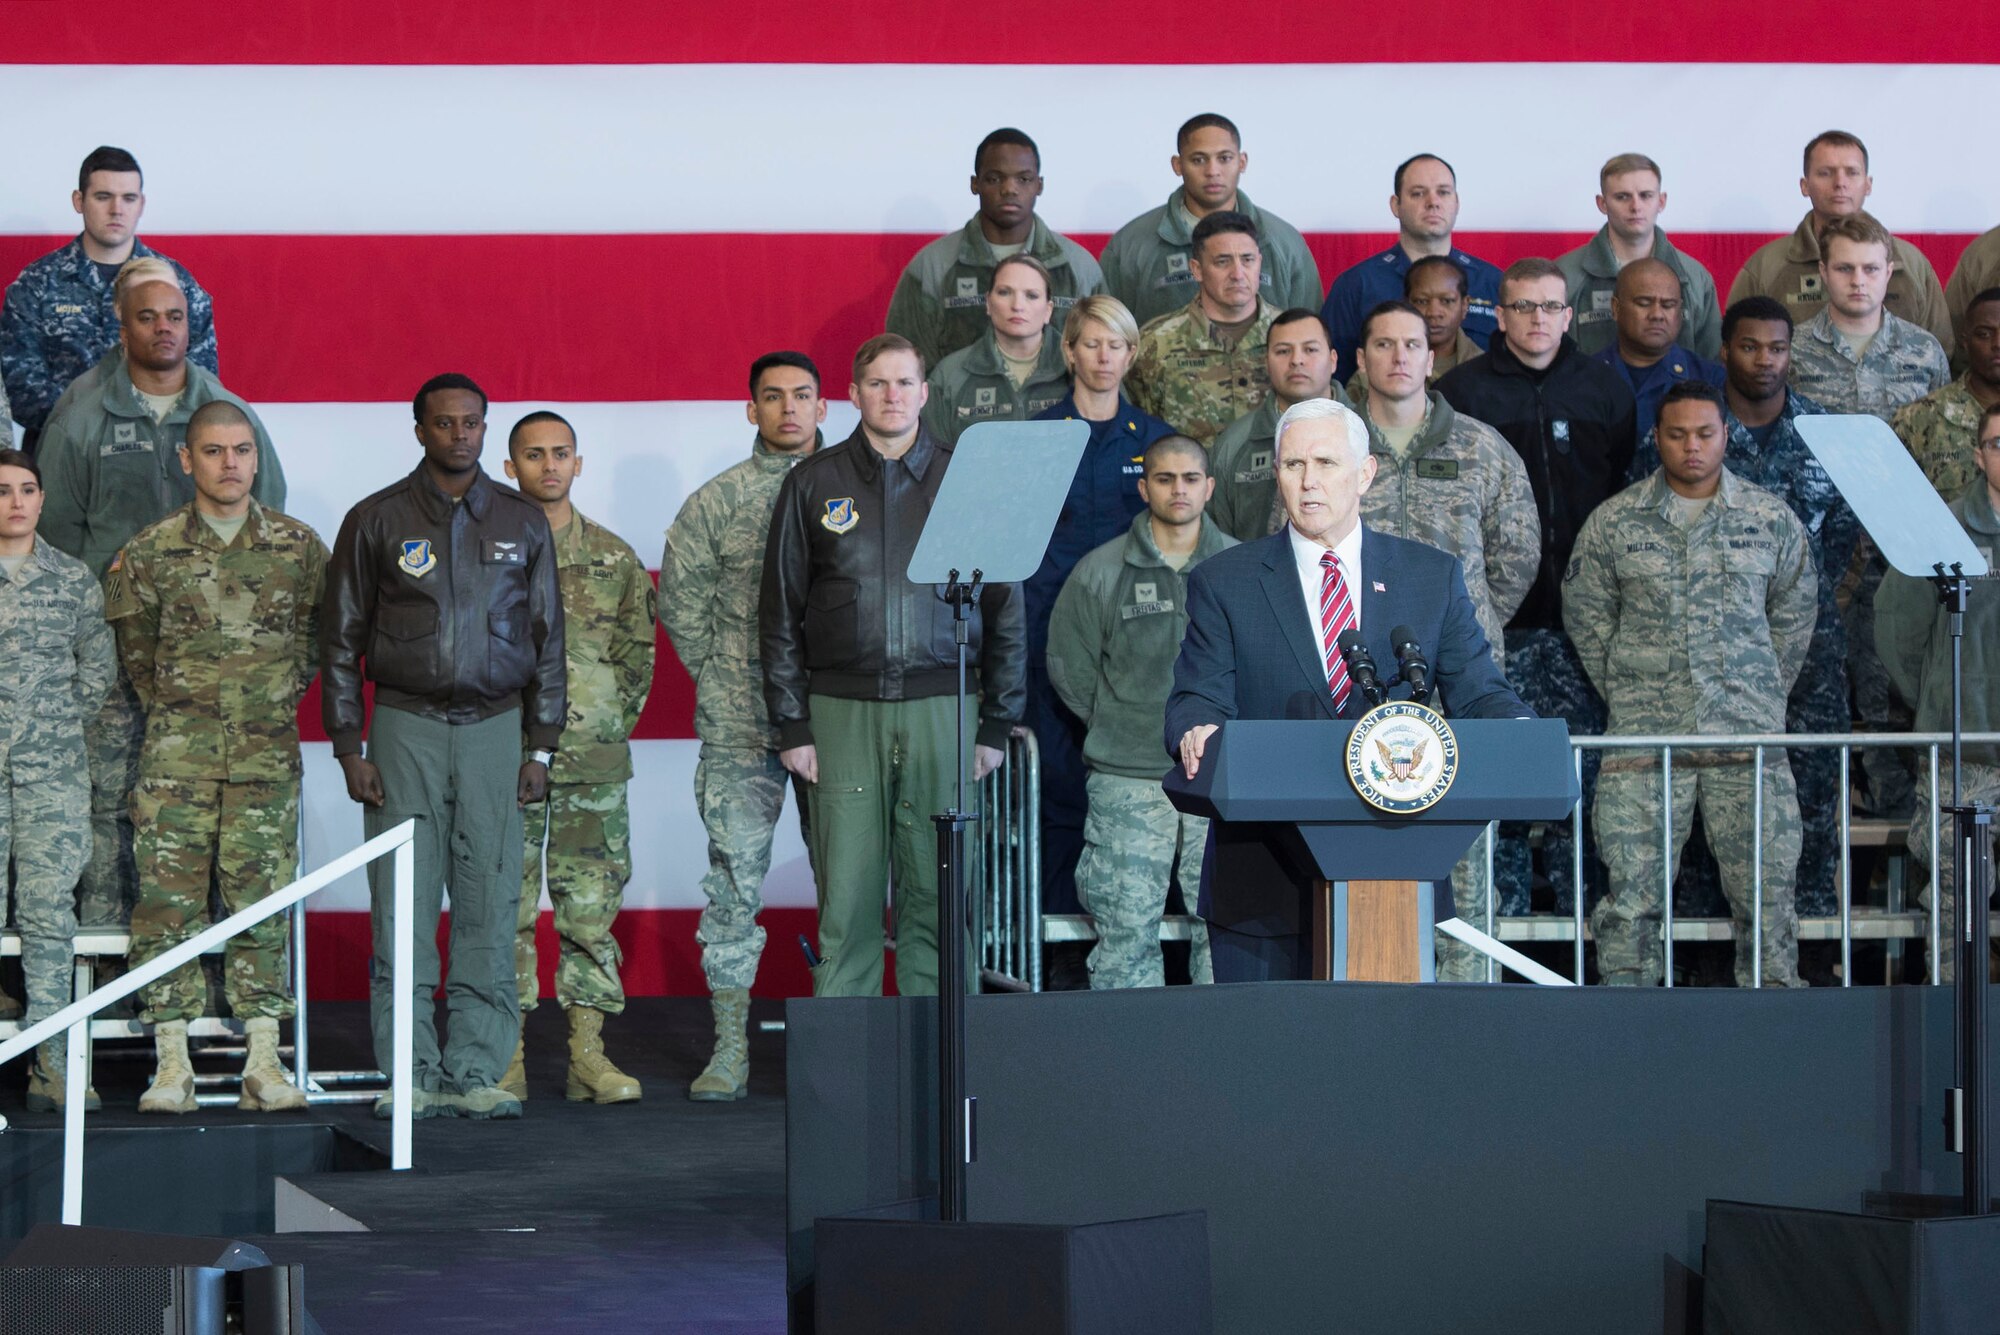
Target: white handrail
(75,1017)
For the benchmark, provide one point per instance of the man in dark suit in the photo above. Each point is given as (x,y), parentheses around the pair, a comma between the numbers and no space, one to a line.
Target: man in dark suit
(1263,619)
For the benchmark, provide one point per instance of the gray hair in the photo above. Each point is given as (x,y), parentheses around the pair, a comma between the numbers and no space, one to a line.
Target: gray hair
(1325,410)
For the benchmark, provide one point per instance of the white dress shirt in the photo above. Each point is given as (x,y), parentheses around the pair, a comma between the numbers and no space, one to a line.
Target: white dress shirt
(1346,554)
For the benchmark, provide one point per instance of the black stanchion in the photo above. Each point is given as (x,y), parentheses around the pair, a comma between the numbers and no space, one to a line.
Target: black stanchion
(955,1106)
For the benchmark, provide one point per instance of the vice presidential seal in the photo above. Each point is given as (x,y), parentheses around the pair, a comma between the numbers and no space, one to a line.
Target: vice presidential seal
(1402,757)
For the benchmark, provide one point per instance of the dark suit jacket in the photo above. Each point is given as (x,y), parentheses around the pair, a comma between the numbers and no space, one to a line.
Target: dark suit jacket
(1252,653)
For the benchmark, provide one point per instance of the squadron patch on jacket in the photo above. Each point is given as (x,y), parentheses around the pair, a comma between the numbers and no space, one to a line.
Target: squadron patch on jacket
(840,515)
(417,558)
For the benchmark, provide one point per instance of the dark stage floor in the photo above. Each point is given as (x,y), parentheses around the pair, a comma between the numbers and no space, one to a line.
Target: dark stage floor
(663,1215)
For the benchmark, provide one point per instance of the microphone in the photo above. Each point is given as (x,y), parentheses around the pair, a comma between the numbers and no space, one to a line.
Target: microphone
(1360,666)
(1416,668)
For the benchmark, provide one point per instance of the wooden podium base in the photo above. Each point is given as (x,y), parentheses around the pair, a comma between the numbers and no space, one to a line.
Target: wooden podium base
(1382,925)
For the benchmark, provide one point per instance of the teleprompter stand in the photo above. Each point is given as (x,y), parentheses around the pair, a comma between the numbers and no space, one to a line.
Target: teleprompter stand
(993,515)
(1917,1264)
(894,1270)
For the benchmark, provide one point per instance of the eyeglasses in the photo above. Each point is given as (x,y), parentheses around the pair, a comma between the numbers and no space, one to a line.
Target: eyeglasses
(1530,307)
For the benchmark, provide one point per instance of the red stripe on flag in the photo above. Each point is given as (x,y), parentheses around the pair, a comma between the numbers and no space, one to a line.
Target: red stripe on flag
(595,32)
(614,318)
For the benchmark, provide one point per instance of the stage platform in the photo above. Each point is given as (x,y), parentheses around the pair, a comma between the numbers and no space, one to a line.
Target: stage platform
(663,1215)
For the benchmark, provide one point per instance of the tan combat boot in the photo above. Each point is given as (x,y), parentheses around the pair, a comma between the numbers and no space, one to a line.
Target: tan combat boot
(727,1075)
(172,1090)
(515,1082)
(47,1080)
(267,1085)
(591,1074)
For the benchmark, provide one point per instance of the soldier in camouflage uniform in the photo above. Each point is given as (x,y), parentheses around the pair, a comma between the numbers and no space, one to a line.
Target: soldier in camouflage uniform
(110,457)
(1443,479)
(709,581)
(1113,638)
(1148,262)
(56,665)
(1300,363)
(1856,356)
(1765,449)
(217,613)
(1016,371)
(1202,367)
(1789,268)
(1691,598)
(60,315)
(1941,428)
(1915,643)
(940,301)
(609,611)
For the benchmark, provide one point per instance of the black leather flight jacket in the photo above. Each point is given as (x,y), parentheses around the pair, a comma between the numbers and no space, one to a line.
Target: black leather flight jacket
(450,607)
(836,614)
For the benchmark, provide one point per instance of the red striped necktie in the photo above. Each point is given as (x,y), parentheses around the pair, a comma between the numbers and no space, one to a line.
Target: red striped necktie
(1336,614)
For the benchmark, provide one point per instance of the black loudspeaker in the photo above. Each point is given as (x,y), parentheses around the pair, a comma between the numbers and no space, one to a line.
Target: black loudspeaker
(67,1280)
(899,1277)
(1771,1270)
(112,1300)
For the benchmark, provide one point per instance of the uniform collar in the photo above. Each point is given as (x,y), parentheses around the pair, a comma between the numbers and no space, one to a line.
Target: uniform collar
(985,357)
(1803,248)
(437,506)
(121,396)
(41,561)
(917,459)
(1887,339)
(572,545)
(1125,421)
(1599,261)
(974,249)
(1266,313)
(771,461)
(197,531)
(1729,495)
(82,266)
(1142,550)
(1174,227)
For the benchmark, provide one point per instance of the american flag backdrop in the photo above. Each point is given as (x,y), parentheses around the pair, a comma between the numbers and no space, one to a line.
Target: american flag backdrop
(610,208)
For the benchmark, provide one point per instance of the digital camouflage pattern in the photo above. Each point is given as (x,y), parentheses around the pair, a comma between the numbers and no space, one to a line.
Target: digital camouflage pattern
(1187,377)
(1461,488)
(1903,364)
(1146,262)
(974,385)
(1626,922)
(57,663)
(609,611)
(740,793)
(219,642)
(1786,467)
(709,579)
(245,833)
(1941,431)
(1132,838)
(1543,669)
(940,301)
(1693,627)
(58,320)
(588,834)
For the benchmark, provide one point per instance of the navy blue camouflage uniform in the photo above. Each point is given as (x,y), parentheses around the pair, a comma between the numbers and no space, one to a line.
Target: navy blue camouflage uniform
(1782,464)
(58,321)
(1102,502)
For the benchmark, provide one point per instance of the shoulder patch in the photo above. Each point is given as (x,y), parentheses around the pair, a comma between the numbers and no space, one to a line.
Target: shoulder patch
(652,604)
(1575,569)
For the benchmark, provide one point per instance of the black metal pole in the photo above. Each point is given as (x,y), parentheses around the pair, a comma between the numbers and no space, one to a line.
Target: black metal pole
(1972,883)
(955,1149)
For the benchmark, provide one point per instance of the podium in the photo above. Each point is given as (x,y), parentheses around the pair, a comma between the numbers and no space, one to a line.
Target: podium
(1295,848)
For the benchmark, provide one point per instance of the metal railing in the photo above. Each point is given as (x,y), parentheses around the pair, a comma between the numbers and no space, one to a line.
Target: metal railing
(1890,924)
(75,1018)
(1009,892)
